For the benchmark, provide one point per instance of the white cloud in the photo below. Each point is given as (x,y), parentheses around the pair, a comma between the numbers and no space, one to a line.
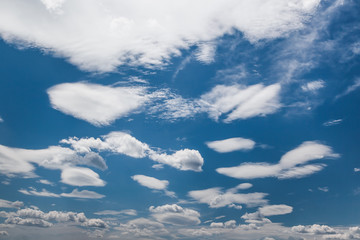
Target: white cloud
(241,102)
(206,53)
(356,169)
(101,37)
(271,210)
(79,176)
(231,144)
(217,198)
(100,105)
(349,89)
(332,122)
(9,204)
(129,212)
(313,229)
(293,164)
(1,120)
(43,193)
(151,182)
(323,189)
(46,182)
(83,194)
(175,215)
(313,86)
(142,228)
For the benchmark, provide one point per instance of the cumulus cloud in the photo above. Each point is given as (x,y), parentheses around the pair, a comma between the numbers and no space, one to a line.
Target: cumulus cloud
(124,143)
(293,164)
(38,218)
(142,228)
(216,197)
(100,105)
(241,102)
(175,215)
(313,229)
(101,37)
(46,182)
(231,144)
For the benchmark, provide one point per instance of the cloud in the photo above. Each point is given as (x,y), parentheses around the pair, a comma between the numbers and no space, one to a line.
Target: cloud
(129,212)
(101,37)
(43,193)
(4,233)
(314,229)
(123,143)
(38,218)
(271,210)
(323,189)
(206,53)
(83,194)
(241,102)
(78,176)
(142,228)
(349,89)
(332,122)
(175,215)
(1,120)
(9,204)
(231,144)
(153,183)
(293,164)
(46,182)
(313,86)
(97,104)
(356,169)
(217,198)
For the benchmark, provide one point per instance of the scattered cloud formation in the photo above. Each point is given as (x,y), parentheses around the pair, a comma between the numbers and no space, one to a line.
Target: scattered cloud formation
(293,164)
(138,33)
(175,215)
(153,183)
(231,144)
(313,229)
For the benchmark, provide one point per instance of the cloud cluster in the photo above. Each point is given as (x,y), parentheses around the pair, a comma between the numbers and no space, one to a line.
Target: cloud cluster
(101,37)
(293,164)
(38,218)
(74,194)
(85,151)
(8,204)
(101,105)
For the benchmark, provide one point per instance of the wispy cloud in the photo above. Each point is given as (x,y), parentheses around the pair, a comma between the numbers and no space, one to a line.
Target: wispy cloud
(349,89)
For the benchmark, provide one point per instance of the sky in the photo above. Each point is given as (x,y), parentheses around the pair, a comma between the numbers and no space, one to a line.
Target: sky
(232,119)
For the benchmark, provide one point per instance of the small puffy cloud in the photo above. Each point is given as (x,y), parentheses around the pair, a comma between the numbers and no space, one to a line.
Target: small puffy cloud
(293,164)
(241,102)
(231,144)
(83,194)
(323,189)
(79,176)
(46,182)
(138,33)
(332,122)
(313,86)
(217,198)
(175,215)
(9,204)
(356,169)
(151,182)
(100,105)
(271,210)
(314,229)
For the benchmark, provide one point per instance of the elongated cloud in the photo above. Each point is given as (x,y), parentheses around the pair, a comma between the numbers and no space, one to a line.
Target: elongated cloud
(101,105)
(293,164)
(231,144)
(175,215)
(101,37)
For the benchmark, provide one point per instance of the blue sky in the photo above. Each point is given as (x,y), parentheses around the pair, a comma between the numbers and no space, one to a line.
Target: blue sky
(189,120)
